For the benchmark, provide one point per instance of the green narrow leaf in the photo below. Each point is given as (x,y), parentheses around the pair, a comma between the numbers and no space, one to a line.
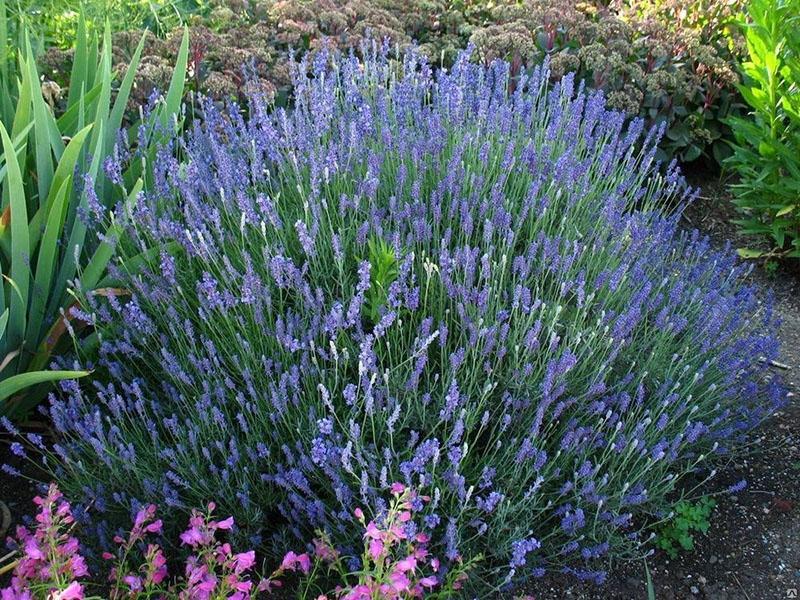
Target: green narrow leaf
(651,591)
(20,145)
(12,385)
(69,121)
(118,111)
(77,79)
(41,130)
(97,265)
(749,253)
(98,143)
(77,236)
(6,104)
(123,94)
(20,245)
(91,62)
(64,170)
(22,116)
(3,322)
(46,261)
(3,40)
(175,93)
(134,263)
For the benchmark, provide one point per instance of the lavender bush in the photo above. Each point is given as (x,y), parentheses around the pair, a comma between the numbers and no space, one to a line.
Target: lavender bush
(473,285)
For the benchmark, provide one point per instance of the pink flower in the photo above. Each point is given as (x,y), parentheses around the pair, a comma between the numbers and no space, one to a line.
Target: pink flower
(133,582)
(360,592)
(399,581)
(244,561)
(305,562)
(289,561)
(77,564)
(10,594)
(32,550)
(373,532)
(266,585)
(154,527)
(74,591)
(435,565)
(359,514)
(226,524)
(158,564)
(192,537)
(409,563)
(324,551)
(397,488)
(376,549)
(428,582)
(144,515)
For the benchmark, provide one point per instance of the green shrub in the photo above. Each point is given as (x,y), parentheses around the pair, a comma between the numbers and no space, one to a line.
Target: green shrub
(528,339)
(766,154)
(55,22)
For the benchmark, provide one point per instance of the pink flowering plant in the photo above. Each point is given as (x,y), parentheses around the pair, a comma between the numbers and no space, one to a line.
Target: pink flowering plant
(50,564)
(51,567)
(395,564)
(145,579)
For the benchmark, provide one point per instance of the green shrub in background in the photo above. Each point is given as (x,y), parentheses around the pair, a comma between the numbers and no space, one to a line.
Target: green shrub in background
(766,154)
(55,22)
(46,243)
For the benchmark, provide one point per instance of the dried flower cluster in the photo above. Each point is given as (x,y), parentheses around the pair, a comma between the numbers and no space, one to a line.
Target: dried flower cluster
(548,355)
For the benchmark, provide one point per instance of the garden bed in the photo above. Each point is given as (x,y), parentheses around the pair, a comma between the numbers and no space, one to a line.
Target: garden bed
(752,550)
(457,310)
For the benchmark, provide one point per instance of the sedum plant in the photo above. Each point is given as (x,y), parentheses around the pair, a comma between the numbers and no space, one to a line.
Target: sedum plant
(766,156)
(648,67)
(47,243)
(551,355)
(664,60)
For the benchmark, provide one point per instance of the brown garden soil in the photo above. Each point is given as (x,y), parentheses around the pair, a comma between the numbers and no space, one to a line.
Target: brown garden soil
(752,550)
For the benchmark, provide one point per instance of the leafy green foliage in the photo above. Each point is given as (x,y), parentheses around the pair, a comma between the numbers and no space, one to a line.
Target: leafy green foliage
(56,22)
(678,531)
(383,272)
(766,154)
(44,235)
